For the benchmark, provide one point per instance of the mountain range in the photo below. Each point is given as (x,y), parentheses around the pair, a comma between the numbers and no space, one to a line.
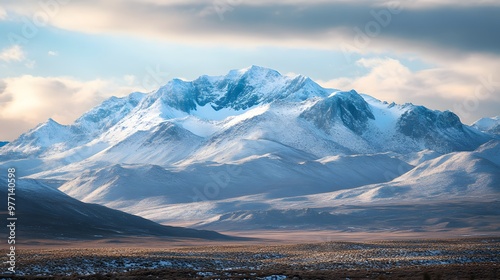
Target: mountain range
(253,147)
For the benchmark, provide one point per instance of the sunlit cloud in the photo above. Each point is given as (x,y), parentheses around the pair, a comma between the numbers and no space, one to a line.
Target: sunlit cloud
(62,98)
(13,53)
(3,14)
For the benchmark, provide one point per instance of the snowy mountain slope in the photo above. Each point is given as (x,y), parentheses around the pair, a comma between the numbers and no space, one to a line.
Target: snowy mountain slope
(49,139)
(123,183)
(47,213)
(458,176)
(348,108)
(455,190)
(44,136)
(418,157)
(256,133)
(126,186)
(391,127)
(106,115)
(489,151)
(439,131)
(142,147)
(462,177)
(488,125)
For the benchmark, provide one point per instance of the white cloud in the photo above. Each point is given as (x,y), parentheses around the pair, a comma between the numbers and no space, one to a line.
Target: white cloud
(52,53)
(27,100)
(13,53)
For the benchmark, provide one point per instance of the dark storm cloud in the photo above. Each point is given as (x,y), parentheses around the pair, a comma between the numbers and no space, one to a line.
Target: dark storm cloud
(470,29)
(455,26)
(460,28)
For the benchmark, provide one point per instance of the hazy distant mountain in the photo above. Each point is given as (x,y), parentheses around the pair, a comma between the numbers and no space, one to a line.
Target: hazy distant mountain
(194,150)
(458,189)
(489,125)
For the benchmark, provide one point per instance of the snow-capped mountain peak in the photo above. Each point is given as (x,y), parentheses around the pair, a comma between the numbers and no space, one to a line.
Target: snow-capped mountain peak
(253,72)
(256,104)
(107,114)
(44,135)
(238,90)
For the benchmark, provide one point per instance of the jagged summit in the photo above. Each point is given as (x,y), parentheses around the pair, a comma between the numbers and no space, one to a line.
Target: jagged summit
(254,71)
(238,90)
(347,108)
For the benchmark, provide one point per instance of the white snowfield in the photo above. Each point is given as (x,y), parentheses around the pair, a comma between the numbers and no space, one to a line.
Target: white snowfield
(254,140)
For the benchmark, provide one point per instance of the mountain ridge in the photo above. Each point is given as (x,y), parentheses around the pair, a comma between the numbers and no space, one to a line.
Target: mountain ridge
(236,93)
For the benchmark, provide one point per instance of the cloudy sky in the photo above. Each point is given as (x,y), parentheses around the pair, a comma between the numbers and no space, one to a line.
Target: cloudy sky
(58,58)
